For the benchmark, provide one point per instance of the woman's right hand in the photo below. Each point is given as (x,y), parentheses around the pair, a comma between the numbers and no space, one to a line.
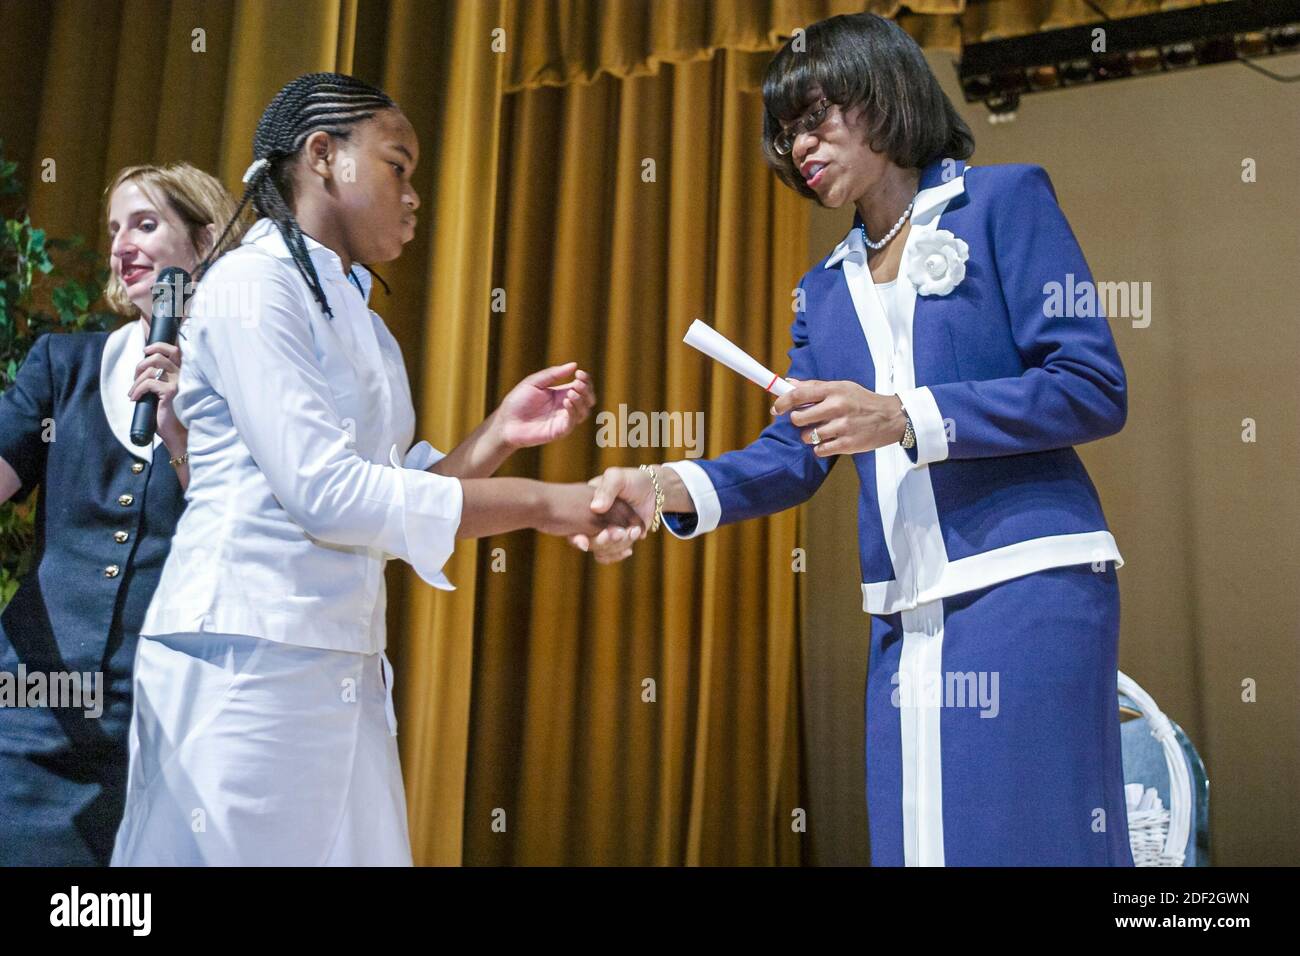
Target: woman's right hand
(630,485)
(167,357)
(617,488)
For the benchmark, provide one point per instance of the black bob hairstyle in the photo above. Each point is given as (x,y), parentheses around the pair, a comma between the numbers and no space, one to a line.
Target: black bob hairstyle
(864,60)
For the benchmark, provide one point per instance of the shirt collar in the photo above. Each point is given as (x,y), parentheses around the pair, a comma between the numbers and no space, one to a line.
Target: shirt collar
(939,183)
(265,234)
(123,349)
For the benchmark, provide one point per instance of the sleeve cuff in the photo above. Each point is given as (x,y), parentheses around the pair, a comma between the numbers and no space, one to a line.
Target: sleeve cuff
(927,423)
(421,457)
(708,512)
(430,513)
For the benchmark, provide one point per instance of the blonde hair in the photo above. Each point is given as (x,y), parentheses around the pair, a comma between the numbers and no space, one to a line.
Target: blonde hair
(196,197)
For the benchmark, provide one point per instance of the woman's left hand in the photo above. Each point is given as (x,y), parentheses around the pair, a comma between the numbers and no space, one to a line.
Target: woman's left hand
(544,407)
(160,355)
(847,417)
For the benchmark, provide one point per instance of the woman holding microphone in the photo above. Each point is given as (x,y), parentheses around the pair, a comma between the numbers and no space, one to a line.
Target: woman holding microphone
(264,725)
(930,354)
(105,517)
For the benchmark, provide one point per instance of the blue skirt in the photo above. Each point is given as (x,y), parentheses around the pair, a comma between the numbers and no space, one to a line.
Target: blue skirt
(993,727)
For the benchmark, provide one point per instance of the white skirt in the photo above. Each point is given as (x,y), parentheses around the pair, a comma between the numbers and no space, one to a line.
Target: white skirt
(248,752)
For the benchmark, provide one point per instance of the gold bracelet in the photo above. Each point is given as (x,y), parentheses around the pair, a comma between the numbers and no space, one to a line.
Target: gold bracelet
(909,433)
(178,461)
(659,497)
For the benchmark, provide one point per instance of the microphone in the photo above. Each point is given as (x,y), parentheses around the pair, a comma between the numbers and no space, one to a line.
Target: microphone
(168,310)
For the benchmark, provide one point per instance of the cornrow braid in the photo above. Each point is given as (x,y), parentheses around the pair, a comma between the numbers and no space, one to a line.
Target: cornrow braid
(315,101)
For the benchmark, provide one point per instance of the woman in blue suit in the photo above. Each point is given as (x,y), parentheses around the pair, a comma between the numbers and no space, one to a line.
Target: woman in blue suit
(950,344)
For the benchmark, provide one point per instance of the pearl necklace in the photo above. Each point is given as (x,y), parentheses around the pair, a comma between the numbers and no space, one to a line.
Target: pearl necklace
(892,233)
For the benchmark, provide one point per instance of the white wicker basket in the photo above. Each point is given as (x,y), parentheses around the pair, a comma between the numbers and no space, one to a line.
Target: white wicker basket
(1158,836)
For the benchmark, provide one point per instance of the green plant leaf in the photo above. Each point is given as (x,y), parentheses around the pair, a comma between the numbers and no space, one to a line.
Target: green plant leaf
(47,284)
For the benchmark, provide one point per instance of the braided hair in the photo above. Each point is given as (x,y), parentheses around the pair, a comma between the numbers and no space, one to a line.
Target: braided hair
(316,101)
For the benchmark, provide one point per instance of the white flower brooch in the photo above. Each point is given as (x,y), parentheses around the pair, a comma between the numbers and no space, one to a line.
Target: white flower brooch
(937,263)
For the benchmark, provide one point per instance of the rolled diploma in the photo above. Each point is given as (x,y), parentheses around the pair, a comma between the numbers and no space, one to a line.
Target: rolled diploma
(719,348)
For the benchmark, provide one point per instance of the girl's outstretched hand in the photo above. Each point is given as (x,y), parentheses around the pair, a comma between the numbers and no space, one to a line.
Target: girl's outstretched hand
(545,406)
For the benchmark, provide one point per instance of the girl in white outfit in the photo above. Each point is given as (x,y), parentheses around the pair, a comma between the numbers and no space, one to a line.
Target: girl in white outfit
(263,724)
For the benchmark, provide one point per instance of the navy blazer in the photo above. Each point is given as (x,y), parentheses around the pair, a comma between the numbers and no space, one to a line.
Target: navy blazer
(105,515)
(104,521)
(999,387)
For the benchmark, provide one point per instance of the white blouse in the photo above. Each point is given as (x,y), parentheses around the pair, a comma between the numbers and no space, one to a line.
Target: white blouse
(123,350)
(898,316)
(299,492)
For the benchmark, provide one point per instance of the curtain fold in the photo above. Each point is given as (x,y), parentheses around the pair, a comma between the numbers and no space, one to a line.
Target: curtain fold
(571,41)
(558,42)
(450,87)
(567,41)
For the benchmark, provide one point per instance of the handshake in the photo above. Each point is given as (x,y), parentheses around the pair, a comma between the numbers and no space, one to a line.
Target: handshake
(607,515)
(610,513)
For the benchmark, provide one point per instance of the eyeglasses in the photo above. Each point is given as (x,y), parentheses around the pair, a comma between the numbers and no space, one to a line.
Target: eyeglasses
(783,141)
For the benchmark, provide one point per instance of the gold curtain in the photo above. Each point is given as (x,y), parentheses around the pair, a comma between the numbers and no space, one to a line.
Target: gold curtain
(523,690)
(568,41)
(601,265)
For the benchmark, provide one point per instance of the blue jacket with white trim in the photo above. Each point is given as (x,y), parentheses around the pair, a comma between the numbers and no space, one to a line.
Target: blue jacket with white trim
(999,386)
